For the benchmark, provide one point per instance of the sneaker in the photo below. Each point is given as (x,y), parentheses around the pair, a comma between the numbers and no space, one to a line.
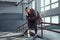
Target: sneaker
(28,35)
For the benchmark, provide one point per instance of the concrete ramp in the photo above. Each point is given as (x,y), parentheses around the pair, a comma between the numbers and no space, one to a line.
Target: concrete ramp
(48,35)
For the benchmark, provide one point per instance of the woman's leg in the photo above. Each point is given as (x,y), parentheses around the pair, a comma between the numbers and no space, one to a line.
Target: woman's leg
(35,28)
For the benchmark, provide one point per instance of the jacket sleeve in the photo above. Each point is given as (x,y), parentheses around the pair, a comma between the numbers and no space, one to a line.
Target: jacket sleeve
(34,16)
(39,16)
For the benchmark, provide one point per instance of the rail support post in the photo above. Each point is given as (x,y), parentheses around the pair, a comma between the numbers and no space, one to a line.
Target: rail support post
(41,31)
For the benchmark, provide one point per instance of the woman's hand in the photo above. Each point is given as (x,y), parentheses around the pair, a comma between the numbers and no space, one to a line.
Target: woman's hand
(26,14)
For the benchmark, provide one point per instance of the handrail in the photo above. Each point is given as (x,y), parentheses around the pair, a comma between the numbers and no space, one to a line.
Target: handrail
(43,28)
(50,23)
(40,23)
(21,26)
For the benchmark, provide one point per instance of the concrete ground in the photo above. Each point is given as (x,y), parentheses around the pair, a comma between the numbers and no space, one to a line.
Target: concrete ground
(48,35)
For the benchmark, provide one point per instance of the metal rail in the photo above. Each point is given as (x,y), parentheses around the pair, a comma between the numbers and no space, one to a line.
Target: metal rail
(20,27)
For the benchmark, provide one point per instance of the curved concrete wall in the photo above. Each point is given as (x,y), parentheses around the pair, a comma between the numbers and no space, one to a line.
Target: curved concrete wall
(10,21)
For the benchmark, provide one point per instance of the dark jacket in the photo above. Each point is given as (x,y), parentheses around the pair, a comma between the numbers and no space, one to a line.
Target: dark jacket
(32,16)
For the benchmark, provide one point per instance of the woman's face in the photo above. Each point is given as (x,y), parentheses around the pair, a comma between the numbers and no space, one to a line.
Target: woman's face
(28,10)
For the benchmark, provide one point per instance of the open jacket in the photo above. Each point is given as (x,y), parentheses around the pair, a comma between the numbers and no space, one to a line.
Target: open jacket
(33,16)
